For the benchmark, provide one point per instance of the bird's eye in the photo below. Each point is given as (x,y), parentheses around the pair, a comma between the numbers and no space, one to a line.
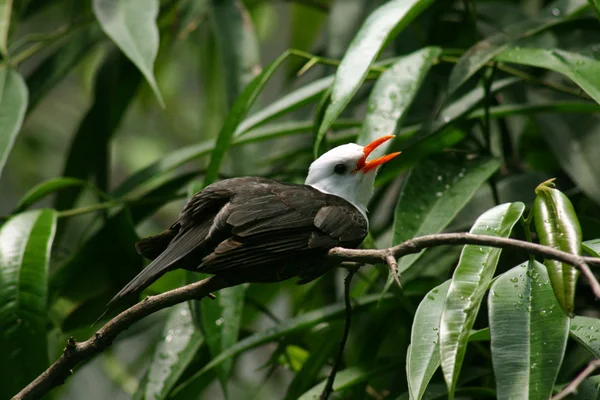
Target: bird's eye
(340,169)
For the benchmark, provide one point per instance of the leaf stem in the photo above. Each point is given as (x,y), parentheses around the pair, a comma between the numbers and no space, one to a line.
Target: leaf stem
(328,389)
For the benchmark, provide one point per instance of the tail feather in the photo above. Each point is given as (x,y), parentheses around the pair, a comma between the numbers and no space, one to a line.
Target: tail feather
(151,247)
(141,281)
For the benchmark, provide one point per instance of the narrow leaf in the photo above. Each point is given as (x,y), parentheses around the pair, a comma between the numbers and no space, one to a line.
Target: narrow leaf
(292,101)
(25,242)
(70,51)
(557,226)
(238,45)
(528,333)
(423,358)
(88,158)
(393,94)
(370,40)
(177,347)
(5,11)
(586,331)
(481,53)
(238,112)
(46,188)
(470,281)
(132,26)
(13,103)
(583,70)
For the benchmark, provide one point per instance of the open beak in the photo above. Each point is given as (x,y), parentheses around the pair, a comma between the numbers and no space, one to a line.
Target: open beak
(366,166)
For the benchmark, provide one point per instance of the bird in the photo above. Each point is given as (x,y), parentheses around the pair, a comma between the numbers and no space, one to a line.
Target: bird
(258,230)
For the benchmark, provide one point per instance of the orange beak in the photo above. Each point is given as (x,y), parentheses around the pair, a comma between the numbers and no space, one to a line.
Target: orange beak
(366,166)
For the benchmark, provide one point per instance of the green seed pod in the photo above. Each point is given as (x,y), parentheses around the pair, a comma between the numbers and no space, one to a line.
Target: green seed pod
(557,226)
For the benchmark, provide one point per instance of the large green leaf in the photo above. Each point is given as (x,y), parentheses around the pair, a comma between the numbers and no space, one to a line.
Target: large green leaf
(423,357)
(583,70)
(177,347)
(288,327)
(528,333)
(221,319)
(586,331)
(470,281)
(13,103)
(88,157)
(25,242)
(370,40)
(5,11)
(237,113)
(482,52)
(132,26)
(557,226)
(433,193)
(393,94)
(238,45)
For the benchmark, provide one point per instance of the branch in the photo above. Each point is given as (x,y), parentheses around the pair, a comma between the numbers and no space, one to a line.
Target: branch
(75,353)
(571,388)
(420,243)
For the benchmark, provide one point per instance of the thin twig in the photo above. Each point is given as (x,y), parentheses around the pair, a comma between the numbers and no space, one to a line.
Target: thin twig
(328,389)
(571,388)
(75,353)
(417,244)
(390,260)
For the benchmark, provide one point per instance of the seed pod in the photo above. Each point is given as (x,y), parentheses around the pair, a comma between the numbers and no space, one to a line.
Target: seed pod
(557,226)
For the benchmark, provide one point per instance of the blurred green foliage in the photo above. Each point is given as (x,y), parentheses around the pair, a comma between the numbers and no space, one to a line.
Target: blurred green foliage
(110,111)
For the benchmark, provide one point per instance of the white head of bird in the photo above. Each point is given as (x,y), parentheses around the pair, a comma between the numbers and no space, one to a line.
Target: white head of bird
(344,171)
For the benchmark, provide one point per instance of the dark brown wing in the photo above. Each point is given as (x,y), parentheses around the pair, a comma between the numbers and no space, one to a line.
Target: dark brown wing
(282,232)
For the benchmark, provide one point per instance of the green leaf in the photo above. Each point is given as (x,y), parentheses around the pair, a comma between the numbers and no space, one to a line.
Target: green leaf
(175,350)
(423,357)
(221,319)
(370,40)
(132,26)
(88,158)
(586,331)
(557,226)
(292,101)
(297,324)
(46,188)
(5,10)
(484,51)
(238,112)
(393,94)
(352,376)
(433,193)
(592,247)
(582,70)
(238,45)
(25,243)
(70,51)
(13,103)
(528,333)
(470,281)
